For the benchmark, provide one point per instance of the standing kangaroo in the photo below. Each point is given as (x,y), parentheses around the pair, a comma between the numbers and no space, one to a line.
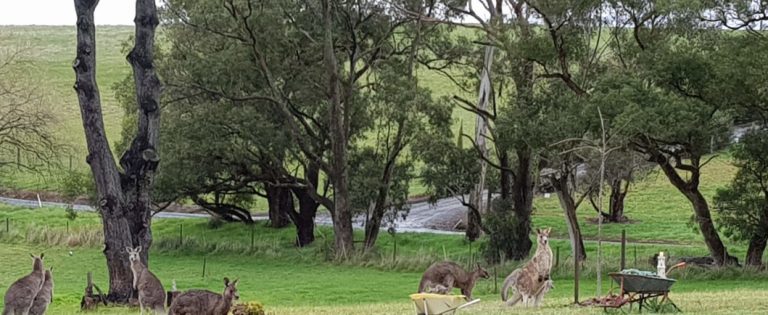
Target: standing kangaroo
(44,296)
(19,297)
(449,275)
(151,291)
(204,302)
(529,280)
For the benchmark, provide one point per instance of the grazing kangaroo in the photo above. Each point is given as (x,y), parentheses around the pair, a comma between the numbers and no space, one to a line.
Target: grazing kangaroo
(449,275)
(204,302)
(151,291)
(528,280)
(44,296)
(19,297)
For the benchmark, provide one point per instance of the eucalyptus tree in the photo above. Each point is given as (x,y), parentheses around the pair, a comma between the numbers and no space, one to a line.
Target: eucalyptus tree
(124,199)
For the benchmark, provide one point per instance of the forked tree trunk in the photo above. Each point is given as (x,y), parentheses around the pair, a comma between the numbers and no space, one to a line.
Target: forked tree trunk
(124,199)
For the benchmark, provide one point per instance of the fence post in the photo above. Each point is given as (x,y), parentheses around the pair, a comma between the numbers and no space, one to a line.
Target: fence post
(557,256)
(7,225)
(576,272)
(635,253)
(18,158)
(623,249)
(181,235)
(253,236)
(204,261)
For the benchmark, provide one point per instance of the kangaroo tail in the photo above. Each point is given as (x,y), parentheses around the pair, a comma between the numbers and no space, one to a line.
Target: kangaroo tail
(509,282)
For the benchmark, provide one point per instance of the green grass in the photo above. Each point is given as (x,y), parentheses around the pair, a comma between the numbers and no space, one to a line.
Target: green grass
(300,281)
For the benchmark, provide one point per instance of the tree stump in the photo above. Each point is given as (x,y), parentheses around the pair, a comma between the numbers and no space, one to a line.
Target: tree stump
(89,300)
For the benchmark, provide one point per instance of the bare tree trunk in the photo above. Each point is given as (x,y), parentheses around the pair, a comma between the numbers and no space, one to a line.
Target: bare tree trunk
(690,189)
(477,206)
(305,218)
(571,220)
(522,199)
(280,203)
(342,217)
(616,201)
(124,199)
(756,247)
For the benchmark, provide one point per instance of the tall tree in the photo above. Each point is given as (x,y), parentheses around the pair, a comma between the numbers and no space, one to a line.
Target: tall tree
(124,196)
(743,205)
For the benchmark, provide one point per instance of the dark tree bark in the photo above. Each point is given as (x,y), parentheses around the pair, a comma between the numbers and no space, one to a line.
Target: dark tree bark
(522,199)
(305,218)
(690,189)
(124,199)
(756,247)
(342,216)
(280,200)
(616,201)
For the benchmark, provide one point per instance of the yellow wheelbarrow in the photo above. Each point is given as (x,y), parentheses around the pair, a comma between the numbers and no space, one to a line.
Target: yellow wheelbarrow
(435,304)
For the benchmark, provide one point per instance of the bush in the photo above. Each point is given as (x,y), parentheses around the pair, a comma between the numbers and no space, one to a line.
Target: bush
(250,308)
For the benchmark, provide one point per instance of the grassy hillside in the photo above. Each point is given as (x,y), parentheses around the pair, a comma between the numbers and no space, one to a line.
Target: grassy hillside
(47,60)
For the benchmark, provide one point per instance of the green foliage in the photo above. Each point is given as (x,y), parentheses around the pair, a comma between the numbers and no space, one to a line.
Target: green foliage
(742,205)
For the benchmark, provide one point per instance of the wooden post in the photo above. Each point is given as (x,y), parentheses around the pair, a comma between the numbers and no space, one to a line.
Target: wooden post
(394,250)
(18,158)
(67,227)
(470,255)
(204,267)
(253,236)
(557,256)
(623,249)
(635,250)
(181,235)
(7,225)
(576,272)
(70,163)
(495,280)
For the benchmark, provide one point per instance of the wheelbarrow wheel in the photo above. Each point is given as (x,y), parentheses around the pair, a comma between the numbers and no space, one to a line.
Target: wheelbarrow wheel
(660,305)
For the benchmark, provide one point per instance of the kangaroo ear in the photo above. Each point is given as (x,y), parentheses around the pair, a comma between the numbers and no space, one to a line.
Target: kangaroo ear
(30,255)
(226,281)
(234,283)
(538,231)
(549,230)
(138,249)
(42,255)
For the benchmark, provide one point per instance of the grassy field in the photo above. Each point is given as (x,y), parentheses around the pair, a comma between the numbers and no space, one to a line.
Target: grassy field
(303,281)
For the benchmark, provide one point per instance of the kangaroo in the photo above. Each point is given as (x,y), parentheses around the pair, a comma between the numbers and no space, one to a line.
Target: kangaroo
(19,297)
(542,290)
(44,297)
(151,291)
(438,289)
(204,302)
(449,275)
(527,280)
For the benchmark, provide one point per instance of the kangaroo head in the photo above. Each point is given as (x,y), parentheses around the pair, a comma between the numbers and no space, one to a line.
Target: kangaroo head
(230,289)
(37,262)
(133,253)
(481,272)
(543,236)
